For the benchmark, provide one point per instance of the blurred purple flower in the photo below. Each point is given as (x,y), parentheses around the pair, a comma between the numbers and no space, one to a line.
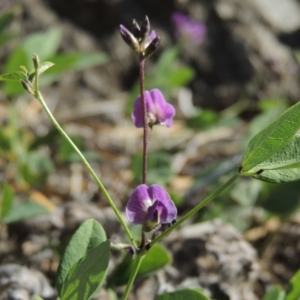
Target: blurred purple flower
(150,206)
(158,110)
(187,28)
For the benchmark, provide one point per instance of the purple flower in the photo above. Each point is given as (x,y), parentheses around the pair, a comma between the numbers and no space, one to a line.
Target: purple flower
(150,206)
(187,28)
(158,110)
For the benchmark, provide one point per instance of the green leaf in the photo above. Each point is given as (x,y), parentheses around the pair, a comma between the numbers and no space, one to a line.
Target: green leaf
(13,76)
(282,167)
(273,138)
(45,66)
(44,44)
(37,297)
(87,237)
(7,200)
(184,294)
(276,293)
(293,290)
(156,259)
(25,211)
(15,60)
(181,76)
(87,275)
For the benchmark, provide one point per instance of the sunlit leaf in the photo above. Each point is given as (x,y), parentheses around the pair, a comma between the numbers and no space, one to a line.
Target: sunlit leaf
(87,237)
(272,139)
(293,290)
(284,166)
(87,275)
(184,294)
(156,258)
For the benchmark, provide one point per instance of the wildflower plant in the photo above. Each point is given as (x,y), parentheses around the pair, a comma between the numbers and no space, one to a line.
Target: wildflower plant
(272,155)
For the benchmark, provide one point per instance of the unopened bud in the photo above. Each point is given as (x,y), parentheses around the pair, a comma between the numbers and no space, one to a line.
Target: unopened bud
(27,86)
(145,29)
(129,38)
(135,29)
(152,47)
(36,61)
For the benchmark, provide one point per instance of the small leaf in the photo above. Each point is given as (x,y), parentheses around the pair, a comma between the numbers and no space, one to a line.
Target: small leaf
(25,211)
(276,293)
(87,237)
(293,290)
(282,167)
(273,138)
(184,294)
(16,59)
(87,275)
(38,297)
(13,76)
(45,66)
(7,200)
(181,76)
(156,258)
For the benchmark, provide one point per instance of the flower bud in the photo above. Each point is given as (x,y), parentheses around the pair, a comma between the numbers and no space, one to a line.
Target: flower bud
(129,38)
(152,47)
(145,29)
(135,29)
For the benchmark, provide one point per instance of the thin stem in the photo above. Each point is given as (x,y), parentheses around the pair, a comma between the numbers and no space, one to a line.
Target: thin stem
(39,97)
(194,210)
(145,133)
(137,265)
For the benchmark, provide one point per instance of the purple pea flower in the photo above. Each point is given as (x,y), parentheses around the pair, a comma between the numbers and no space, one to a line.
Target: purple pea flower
(158,110)
(187,28)
(150,206)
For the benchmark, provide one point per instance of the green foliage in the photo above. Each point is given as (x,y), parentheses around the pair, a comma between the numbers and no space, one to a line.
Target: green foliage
(184,294)
(6,202)
(272,139)
(87,275)
(156,259)
(284,166)
(45,45)
(87,237)
(276,293)
(159,171)
(293,290)
(24,211)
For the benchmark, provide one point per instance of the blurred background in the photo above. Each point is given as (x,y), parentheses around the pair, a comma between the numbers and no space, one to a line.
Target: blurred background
(228,66)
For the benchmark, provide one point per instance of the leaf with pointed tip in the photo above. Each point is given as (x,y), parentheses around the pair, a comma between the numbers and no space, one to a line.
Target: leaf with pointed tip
(88,236)
(13,76)
(87,275)
(273,138)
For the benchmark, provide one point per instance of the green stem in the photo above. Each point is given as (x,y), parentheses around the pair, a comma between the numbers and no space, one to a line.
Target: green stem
(39,97)
(137,265)
(194,210)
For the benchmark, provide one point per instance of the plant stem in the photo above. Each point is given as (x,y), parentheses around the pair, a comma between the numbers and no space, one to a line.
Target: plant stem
(145,127)
(138,262)
(39,97)
(194,210)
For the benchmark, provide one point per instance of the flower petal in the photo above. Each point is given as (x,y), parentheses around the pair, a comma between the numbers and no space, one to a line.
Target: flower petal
(137,114)
(157,212)
(137,206)
(158,193)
